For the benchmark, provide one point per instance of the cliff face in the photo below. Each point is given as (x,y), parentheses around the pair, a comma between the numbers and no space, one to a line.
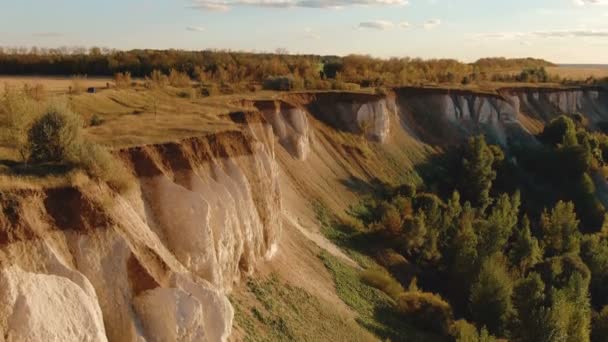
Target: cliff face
(447,115)
(365,114)
(153,264)
(157,262)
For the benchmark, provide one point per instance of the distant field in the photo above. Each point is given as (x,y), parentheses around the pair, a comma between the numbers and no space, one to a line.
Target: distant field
(54,84)
(579,72)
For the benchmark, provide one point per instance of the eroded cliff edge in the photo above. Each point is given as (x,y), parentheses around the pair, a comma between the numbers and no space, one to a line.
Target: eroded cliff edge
(157,262)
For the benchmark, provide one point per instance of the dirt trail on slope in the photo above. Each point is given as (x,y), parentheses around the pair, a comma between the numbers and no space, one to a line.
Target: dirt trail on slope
(319,240)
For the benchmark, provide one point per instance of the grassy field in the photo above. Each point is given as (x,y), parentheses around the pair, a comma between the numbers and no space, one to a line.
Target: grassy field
(55,85)
(579,72)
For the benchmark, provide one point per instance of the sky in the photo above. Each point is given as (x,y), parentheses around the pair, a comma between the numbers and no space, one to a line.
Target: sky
(562,31)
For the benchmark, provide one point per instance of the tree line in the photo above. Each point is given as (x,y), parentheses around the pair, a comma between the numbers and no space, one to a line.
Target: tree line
(235,67)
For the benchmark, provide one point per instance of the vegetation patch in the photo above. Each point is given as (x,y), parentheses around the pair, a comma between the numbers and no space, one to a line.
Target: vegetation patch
(275,311)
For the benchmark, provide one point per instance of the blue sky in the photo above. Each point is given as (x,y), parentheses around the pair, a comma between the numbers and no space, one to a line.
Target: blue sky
(564,31)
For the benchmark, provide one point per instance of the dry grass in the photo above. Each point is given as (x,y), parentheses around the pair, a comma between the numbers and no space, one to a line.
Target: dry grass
(55,85)
(578,73)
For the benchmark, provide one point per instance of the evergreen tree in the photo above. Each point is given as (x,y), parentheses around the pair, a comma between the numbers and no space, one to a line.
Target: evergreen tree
(560,230)
(477,172)
(560,131)
(532,318)
(525,252)
(594,252)
(494,233)
(491,296)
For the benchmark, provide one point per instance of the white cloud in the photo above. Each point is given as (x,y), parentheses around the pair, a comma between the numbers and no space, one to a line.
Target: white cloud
(195,28)
(377,24)
(578,33)
(590,2)
(431,24)
(404,25)
(223,5)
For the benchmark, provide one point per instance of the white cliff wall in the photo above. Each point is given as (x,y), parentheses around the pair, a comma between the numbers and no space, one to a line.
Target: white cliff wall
(155,264)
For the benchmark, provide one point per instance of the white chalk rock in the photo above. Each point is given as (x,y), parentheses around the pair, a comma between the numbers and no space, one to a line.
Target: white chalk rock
(39,307)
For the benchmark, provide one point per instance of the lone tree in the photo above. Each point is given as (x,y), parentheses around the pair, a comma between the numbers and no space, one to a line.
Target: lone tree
(54,136)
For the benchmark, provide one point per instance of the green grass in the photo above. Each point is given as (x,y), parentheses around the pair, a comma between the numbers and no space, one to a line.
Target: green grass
(281,312)
(376,310)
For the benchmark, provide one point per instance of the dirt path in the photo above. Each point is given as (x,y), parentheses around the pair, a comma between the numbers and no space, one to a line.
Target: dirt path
(319,240)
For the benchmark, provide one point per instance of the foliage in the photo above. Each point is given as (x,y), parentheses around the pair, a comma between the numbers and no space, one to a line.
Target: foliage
(383,281)
(560,230)
(53,137)
(274,311)
(463,331)
(232,67)
(594,252)
(477,173)
(375,309)
(17,112)
(491,296)
(525,252)
(560,131)
(123,80)
(179,79)
(426,310)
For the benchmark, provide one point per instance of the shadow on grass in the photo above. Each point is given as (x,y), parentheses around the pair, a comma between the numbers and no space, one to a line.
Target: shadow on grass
(35,170)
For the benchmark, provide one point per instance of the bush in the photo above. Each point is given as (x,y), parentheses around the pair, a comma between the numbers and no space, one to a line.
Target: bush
(156,80)
(17,111)
(102,165)
(56,137)
(179,79)
(463,331)
(53,137)
(96,120)
(383,281)
(281,83)
(426,310)
(122,80)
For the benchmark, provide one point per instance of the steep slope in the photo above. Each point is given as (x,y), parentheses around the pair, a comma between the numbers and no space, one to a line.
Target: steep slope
(158,262)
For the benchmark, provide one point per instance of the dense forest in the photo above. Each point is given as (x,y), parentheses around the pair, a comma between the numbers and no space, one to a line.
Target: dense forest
(496,242)
(306,71)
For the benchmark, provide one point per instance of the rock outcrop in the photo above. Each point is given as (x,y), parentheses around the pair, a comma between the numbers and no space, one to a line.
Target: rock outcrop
(289,124)
(82,263)
(365,114)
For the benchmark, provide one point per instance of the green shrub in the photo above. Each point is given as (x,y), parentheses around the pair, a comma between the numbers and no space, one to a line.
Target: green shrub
(100,164)
(56,137)
(383,282)
(53,137)
(426,310)
(463,331)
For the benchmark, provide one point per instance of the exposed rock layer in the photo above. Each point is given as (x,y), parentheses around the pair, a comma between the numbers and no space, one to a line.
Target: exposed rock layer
(157,262)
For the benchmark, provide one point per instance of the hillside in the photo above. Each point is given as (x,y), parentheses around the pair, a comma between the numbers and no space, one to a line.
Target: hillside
(233,226)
